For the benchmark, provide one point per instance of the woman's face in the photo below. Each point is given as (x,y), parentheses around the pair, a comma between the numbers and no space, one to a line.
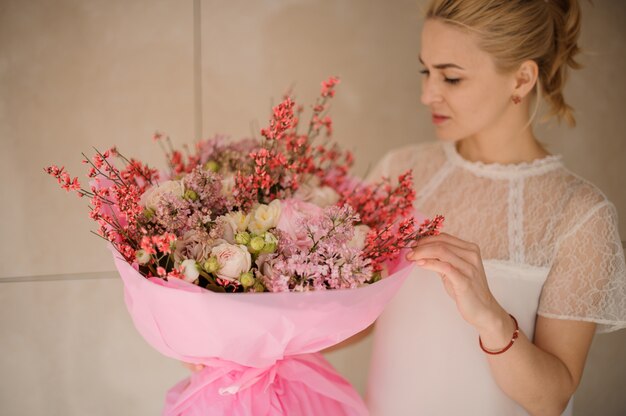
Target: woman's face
(461,87)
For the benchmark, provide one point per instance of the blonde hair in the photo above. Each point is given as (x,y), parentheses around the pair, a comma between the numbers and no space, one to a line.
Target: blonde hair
(513,31)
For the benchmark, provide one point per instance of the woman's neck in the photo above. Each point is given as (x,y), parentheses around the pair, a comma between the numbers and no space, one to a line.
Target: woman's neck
(502,148)
(509,140)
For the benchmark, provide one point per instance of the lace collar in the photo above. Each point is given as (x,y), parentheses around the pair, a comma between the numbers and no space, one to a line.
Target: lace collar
(503,171)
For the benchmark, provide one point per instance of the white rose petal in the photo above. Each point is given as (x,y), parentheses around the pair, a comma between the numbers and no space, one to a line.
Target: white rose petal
(238,221)
(191,270)
(233,260)
(265,217)
(234,222)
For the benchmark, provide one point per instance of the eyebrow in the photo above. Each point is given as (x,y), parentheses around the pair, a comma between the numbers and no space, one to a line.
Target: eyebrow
(442,66)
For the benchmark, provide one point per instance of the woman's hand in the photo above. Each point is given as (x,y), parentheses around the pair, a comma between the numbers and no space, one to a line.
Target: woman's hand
(460,266)
(541,376)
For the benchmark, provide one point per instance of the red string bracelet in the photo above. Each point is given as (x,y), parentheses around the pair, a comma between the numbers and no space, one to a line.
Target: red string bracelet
(513,338)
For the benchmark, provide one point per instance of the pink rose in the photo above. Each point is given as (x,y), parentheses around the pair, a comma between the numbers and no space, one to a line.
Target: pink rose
(232,259)
(293,212)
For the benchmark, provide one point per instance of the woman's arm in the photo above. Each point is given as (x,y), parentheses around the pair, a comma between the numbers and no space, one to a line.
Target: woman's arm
(540,376)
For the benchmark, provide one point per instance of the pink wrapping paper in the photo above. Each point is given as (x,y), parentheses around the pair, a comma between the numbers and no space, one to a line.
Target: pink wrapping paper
(260,349)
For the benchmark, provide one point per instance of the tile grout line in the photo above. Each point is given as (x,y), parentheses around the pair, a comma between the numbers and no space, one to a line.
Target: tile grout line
(61,277)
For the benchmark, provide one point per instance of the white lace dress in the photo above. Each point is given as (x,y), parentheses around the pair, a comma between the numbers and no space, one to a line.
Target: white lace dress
(550,246)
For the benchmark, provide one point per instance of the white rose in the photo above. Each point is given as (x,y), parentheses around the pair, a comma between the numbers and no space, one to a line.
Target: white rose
(311,191)
(360,233)
(234,222)
(233,260)
(238,221)
(153,195)
(265,217)
(190,270)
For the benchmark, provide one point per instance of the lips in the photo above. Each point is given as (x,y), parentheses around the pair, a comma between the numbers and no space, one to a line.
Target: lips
(439,118)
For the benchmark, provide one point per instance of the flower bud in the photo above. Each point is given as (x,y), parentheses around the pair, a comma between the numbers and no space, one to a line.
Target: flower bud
(270,243)
(246,279)
(375,277)
(191,271)
(243,238)
(190,195)
(256,244)
(211,265)
(142,256)
(148,213)
(212,165)
(258,287)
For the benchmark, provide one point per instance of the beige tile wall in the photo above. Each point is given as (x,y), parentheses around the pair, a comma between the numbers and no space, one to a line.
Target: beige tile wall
(76,74)
(70,348)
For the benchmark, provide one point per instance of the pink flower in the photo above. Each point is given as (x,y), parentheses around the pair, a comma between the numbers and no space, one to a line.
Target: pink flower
(233,260)
(294,213)
(312,191)
(152,195)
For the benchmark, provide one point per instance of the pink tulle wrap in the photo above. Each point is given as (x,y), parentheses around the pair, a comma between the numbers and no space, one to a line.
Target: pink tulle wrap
(261,350)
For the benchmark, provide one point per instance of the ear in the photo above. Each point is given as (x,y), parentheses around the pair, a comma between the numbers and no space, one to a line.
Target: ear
(525,78)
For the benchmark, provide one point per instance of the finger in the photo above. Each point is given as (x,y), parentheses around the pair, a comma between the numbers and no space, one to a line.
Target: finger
(448,286)
(467,251)
(465,260)
(452,275)
(447,238)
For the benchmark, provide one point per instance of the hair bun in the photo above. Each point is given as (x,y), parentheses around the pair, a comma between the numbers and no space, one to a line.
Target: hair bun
(566,18)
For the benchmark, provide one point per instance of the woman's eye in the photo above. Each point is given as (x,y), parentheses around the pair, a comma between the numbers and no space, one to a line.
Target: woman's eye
(424,72)
(452,81)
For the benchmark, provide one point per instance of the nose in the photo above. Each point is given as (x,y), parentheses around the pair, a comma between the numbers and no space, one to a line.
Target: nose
(430,91)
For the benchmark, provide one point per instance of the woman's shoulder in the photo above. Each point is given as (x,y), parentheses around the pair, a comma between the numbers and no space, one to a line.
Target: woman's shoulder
(581,192)
(581,200)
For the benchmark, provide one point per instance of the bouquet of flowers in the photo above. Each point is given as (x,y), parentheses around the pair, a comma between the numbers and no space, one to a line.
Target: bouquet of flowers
(200,244)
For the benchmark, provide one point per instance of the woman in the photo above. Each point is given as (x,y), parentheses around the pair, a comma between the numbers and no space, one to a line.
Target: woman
(528,244)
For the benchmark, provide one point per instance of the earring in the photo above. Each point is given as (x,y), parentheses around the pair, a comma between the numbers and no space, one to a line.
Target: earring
(516,99)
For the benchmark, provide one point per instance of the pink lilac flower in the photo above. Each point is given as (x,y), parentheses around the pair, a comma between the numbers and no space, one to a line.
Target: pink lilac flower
(326,262)
(172,213)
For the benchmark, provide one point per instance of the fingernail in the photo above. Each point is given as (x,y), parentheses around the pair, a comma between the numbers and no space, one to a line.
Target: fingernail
(421,262)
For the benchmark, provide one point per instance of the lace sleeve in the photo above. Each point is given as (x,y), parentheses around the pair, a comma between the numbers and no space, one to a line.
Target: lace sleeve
(587,279)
